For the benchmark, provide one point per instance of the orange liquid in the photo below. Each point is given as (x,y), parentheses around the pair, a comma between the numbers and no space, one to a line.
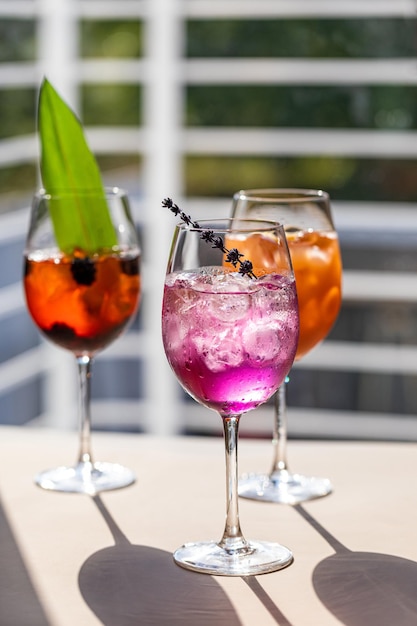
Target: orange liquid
(261,250)
(318,273)
(82,318)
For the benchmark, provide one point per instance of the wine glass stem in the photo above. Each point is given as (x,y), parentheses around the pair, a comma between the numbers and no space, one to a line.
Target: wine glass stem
(232,539)
(279,437)
(84,374)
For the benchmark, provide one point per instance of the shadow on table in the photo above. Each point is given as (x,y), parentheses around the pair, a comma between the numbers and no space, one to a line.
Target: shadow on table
(365,588)
(127,585)
(266,600)
(19,603)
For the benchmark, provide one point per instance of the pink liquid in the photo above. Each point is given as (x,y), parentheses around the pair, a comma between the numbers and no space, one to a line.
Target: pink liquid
(230,340)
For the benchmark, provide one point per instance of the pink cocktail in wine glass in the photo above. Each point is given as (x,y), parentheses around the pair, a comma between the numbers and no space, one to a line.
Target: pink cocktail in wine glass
(230,338)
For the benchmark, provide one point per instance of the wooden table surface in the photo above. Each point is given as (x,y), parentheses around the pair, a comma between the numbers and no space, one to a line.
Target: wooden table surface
(73,560)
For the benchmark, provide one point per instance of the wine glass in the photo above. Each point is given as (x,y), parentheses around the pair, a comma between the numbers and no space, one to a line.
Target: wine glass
(82,302)
(314,248)
(230,337)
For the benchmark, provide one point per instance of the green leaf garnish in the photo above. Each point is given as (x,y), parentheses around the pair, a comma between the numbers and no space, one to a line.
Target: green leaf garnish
(70,173)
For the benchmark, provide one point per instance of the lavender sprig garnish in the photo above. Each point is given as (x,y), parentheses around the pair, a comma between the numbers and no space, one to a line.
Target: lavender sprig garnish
(233,255)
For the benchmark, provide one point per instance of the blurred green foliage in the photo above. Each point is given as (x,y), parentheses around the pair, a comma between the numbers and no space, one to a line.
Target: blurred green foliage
(313,38)
(17,40)
(385,107)
(18,178)
(344,178)
(17,112)
(346,106)
(111,105)
(112,39)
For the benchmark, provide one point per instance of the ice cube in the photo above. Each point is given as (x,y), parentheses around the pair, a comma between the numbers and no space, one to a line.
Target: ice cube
(219,280)
(219,351)
(174,333)
(262,340)
(227,308)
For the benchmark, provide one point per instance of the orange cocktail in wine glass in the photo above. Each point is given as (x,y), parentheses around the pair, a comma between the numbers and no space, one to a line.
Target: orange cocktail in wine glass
(315,254)
(82,302)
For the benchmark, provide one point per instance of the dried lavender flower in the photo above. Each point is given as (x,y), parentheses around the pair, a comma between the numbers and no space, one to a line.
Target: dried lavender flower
(233,255)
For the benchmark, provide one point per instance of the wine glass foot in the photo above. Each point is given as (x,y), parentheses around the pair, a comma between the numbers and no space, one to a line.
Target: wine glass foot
(261,557)
(88,478)
(283,487)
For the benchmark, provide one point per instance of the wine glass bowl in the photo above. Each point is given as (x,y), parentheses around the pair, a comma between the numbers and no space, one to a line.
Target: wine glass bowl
(314,248)
(82,301)
(230,337)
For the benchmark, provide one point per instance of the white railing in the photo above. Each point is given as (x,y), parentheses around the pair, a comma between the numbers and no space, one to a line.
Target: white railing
(163,141)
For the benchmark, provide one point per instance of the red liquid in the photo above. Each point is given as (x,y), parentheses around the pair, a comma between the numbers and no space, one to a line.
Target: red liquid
(230,351)
(85,309)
